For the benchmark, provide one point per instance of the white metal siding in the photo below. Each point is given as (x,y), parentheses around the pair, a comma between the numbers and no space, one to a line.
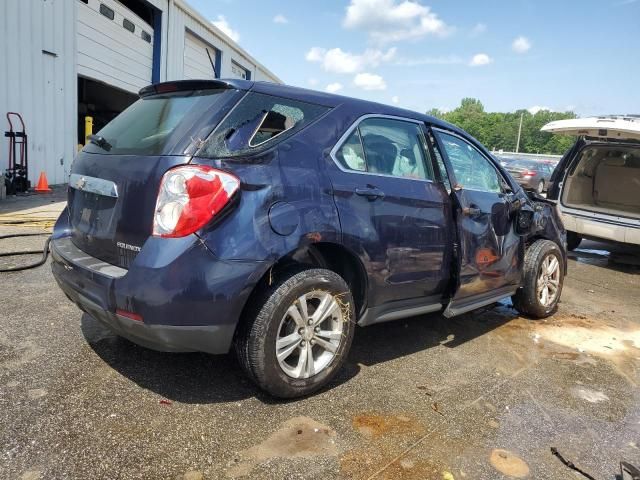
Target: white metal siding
(110,53)
(39,86)
(43,87)
(184,20)
(196,61)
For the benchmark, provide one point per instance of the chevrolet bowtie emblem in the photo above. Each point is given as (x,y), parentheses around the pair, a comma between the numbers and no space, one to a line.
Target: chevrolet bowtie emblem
(81,183)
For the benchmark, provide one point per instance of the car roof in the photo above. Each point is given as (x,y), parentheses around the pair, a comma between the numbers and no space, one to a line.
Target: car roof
(333,100)
(301,94)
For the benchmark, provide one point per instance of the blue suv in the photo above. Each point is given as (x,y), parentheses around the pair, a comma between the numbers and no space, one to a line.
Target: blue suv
(268,219)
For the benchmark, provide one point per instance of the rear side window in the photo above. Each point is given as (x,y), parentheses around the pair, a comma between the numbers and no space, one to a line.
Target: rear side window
(152,125)
(258,122)
(386,147)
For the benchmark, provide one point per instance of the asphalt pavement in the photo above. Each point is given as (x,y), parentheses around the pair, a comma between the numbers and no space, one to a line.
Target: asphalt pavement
(482,396)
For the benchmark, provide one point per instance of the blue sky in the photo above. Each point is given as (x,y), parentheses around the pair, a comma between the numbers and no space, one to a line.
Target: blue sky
(581,55)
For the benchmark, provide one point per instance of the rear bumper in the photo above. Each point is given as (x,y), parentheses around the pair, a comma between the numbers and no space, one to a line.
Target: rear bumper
(600,226)
(164,338)
(191,303)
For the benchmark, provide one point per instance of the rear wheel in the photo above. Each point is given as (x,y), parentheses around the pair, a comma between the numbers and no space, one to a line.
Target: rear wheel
(543,277)
(540,188)
(573,240)
(298,335)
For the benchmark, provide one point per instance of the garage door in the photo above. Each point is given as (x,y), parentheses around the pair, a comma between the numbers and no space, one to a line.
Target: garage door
(115,46)
(196,60)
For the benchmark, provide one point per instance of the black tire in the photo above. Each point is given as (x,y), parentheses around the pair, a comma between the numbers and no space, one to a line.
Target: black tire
(573,240)
(255,342)
(540,188)
(526,300)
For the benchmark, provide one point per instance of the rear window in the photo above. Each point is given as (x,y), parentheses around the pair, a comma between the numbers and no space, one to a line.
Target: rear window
(525,164)
(258,122)
(153,125)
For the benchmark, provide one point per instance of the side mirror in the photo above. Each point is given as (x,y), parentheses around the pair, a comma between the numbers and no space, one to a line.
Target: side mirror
(524,220)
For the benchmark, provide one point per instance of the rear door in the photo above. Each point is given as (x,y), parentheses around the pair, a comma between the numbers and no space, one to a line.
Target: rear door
(490,254)
(392,212)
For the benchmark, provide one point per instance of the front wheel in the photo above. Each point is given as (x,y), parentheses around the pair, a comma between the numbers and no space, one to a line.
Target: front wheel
(543,277)
(298,334)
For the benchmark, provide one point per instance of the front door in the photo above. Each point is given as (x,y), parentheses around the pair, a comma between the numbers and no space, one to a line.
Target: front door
(490,253)
(392,212)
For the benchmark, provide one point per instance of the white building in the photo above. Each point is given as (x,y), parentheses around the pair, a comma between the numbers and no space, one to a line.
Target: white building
(62,60)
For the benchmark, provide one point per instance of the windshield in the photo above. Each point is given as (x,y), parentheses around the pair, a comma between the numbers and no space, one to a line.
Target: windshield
(153,125)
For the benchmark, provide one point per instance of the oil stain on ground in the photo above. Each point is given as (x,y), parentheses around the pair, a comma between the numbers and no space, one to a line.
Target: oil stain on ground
(508,463)
(299,437)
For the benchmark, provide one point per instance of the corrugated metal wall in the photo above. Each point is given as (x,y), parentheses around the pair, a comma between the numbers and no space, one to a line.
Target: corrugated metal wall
(38,72)
(182,18)
(41,86)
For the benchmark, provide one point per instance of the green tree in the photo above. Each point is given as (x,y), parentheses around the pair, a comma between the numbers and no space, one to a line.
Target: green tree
(499,131)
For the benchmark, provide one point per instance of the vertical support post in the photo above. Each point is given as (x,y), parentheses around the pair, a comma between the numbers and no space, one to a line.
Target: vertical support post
(88,128)
(519,133)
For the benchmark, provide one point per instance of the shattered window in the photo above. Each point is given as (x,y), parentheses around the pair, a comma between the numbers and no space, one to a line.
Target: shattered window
(256,122)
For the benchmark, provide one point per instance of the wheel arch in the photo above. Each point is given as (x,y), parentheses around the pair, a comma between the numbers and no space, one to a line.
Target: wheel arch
(332,256)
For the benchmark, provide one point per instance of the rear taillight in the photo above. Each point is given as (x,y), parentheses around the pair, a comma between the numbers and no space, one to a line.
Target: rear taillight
(189,197)
(528,173)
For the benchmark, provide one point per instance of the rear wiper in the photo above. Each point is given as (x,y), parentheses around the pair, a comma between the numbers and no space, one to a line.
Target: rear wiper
(100,141)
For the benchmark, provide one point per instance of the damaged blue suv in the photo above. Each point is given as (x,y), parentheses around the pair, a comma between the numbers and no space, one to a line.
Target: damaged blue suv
(219,215)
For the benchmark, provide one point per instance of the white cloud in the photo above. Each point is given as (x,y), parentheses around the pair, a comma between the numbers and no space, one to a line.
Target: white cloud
(369,81)
(416,62)
(394,20)
(480,59)
(316,54)
(337,60)
(223,25)
(521,45)
(478,29)
(312,81)
(280,19)
(334,87)
(395,100)
(537,108)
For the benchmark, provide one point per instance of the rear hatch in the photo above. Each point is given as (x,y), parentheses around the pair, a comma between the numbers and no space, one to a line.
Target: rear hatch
(114,181)
(606,129)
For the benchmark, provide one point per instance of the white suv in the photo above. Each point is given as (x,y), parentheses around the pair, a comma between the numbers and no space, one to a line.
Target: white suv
(597,182)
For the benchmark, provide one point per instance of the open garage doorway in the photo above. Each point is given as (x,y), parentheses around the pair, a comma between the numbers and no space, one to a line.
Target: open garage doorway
(100,101)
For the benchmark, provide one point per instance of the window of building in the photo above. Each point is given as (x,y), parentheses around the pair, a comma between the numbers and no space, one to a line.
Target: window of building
(239,71)
(128,25)
(107,12)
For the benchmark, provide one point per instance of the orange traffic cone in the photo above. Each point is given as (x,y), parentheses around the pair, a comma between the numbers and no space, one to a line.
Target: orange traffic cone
(43,185)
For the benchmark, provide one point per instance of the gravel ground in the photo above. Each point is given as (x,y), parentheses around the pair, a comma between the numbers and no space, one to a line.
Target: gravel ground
(482,396)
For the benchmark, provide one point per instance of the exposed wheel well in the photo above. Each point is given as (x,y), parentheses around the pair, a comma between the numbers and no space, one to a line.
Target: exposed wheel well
(320,255)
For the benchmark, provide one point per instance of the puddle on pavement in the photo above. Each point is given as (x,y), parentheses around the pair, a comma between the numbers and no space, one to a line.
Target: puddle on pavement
(299,437)
(385,437)
(591,396)
(374,425)
(508,463)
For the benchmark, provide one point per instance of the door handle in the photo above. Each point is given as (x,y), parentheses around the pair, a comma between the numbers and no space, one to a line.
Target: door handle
(371,193)
(471,211)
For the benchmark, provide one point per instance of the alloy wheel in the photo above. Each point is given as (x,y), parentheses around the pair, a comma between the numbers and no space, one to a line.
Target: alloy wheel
(548,282)
(309,334)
